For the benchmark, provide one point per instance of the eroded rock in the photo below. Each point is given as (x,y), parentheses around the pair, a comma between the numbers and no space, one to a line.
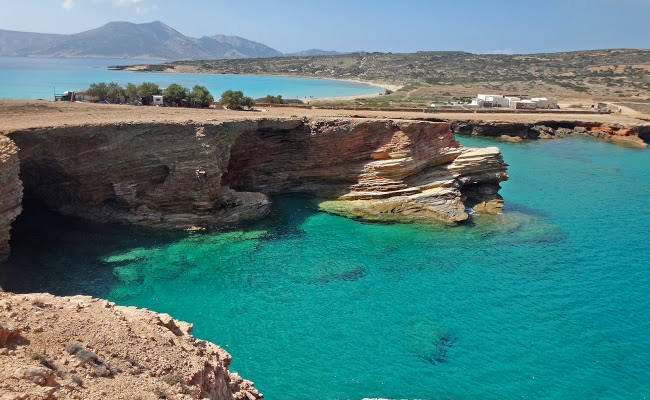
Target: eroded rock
(121,352)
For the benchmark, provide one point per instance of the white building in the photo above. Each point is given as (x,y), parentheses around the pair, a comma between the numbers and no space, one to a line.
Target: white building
(492,100)
(512,100)
(157,100)
(544,102)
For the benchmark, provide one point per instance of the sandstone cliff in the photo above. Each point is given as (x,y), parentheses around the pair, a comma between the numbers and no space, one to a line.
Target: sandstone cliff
(182,175)
(85,348)
(11,191)
(625,135)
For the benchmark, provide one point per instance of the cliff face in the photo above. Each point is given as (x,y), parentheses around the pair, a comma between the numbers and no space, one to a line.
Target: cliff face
(85,348)
(11,191)
(631,136)
(166,175)
(183,175)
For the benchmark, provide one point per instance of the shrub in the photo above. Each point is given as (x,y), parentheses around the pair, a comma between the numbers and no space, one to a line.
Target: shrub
(200,96)
(99,90)
(131,92)
(147,90)
(272,99)
(235,100)
(43,360)
(175,93)
(115,93)
(76,379)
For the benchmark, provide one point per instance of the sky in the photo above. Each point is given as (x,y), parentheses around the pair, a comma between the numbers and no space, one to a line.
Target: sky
(496,26)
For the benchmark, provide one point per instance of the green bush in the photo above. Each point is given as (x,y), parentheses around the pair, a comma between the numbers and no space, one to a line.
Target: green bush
(175,94)
(200,96)
(235,100)
(272,99)
(115,93)
(131,92)
(147,90)
(99,90)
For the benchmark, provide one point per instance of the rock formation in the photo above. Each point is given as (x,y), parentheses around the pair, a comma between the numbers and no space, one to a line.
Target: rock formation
(85,348)
(185,175)
(631,136)
(11,191)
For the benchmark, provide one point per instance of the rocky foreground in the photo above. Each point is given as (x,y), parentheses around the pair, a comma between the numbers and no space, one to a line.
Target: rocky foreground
(85,348)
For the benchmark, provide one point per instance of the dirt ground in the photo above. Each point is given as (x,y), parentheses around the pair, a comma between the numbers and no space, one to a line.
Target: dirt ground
(26,114)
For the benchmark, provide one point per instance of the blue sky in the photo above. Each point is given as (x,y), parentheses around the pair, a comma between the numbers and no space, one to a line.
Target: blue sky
(399,26)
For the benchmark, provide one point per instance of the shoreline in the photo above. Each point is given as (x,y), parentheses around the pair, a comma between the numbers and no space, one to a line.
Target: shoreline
(379,85)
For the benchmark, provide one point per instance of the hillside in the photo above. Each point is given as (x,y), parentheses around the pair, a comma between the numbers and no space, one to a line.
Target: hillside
(437,76)
(128,40)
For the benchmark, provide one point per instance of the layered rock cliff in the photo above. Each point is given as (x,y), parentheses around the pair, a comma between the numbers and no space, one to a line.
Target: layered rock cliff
(11,191)
(625,135)
(84,348)
(184,175)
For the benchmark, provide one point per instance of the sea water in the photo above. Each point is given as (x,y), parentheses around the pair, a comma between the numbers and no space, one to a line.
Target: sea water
(40,78)
(550,300)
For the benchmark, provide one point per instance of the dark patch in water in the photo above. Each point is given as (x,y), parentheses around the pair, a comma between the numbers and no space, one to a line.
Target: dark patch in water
(510,206)
(348,276)
(439,353)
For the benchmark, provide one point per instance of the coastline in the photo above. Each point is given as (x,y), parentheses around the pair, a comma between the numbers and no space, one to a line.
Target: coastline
(181,70)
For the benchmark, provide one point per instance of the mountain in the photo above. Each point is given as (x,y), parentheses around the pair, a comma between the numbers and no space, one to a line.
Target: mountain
(128,40)
(313,52)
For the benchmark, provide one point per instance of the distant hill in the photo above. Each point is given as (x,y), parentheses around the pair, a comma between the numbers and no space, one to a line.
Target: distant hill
(438,76)
(128,40)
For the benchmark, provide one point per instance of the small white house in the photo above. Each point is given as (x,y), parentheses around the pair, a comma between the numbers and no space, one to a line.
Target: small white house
(157,100)
(492,100)
(544,102)
(512,100)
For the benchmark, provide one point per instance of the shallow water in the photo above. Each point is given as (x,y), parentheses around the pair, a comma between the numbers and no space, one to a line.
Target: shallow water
(38,78)
(547,301)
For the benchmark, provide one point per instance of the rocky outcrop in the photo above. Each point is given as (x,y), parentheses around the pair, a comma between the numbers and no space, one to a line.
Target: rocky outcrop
(632,136)
(163,175)
(174,175)
(85,348)
(373,169)
(11,191)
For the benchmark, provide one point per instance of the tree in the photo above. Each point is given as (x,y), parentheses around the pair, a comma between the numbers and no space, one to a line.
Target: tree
(98,90)
(131,92)
(175,94)
(115,93)
(235,100)
(273,99)
(200,96)
(147,90)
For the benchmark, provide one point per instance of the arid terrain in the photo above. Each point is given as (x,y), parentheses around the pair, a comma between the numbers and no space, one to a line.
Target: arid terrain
(26,114)
(617,75)
(84,348)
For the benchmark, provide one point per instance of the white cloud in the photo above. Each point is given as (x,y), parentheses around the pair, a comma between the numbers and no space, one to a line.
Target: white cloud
(67,4)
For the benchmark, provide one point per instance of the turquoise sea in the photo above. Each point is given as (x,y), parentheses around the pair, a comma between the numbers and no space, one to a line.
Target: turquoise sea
(39,78)
(550,300)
